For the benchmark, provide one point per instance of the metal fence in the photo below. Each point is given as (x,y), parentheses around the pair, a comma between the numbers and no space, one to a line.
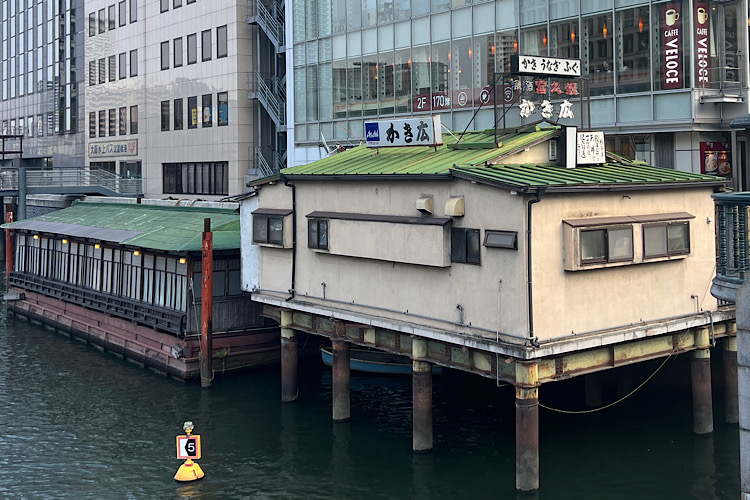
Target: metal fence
(83,178)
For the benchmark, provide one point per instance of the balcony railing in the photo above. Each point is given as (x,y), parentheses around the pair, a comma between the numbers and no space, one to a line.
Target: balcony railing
(83,179)
(733,259)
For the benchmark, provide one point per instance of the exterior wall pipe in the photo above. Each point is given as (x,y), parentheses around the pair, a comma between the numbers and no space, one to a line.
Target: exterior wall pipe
(294,236)
(207,305)
(532,338)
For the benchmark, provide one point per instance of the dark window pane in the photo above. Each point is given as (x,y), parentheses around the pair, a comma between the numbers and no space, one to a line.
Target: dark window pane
(458,245)
(593,245)
(260,229)
(164,55)
(164,116)
(206,45)
(192,112)
(177,52)
(221,41)
(207,110)
(473,247)
(678,238)
(178,114)
(222,99)
(312,233)
(275,230)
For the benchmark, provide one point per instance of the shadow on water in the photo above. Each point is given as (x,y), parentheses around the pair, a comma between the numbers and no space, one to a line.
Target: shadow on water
(79,423)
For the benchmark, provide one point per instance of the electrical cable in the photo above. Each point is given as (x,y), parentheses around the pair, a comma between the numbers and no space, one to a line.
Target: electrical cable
(593,410)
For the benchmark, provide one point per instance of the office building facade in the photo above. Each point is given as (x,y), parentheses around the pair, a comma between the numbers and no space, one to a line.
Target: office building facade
(663,80)
(40,77)
(169,95)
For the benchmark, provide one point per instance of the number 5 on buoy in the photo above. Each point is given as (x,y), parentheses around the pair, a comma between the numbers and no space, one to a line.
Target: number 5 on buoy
(189,447)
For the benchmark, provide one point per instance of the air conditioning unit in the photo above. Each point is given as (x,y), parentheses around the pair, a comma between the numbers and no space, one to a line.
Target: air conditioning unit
(553,147)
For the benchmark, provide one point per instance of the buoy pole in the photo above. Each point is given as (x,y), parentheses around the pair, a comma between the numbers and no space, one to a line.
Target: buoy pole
(207,303)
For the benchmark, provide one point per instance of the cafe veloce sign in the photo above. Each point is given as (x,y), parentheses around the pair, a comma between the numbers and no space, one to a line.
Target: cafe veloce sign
(671,45)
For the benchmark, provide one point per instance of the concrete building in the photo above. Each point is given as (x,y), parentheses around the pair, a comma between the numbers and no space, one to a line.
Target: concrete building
(42,75)
(485,255)
(172,94)
(665,78)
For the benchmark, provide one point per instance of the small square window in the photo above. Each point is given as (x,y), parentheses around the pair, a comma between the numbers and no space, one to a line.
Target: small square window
(317,234)
(465,246)
(501,239)
(613,244)
(662,240)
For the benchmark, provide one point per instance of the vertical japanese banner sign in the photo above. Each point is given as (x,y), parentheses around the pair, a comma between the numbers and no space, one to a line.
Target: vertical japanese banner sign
(702,46)
(671,45)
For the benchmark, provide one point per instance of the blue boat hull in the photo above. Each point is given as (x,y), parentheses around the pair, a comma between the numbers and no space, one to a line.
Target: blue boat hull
(372,365)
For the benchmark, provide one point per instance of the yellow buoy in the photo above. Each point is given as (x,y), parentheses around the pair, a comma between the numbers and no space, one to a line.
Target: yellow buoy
(189,471)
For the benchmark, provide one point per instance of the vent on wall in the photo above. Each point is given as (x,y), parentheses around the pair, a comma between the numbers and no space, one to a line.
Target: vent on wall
(552,150)
(454,207)
(424,204)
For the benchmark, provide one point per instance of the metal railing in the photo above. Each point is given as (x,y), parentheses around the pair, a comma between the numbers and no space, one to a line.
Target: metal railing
(83,178)
(733,257)
(273,26)
(268,97)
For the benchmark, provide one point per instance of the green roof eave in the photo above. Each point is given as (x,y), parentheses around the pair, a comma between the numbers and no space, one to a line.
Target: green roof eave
(164,228)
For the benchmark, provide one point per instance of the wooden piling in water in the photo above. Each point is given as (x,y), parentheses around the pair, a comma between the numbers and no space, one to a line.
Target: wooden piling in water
(700,372)
(731,395)
(207,305)
(289,390)
(341,381)
(421,406)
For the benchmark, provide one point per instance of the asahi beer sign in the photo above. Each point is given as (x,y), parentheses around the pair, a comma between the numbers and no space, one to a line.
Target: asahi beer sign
(671,45)
(423,131)
(114,148)
(702,44)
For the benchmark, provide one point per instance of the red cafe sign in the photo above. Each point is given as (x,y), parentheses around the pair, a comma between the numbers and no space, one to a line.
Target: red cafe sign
(671,46)
(702,46)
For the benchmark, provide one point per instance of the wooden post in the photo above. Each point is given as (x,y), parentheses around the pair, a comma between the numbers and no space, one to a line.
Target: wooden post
(207,304)
(731,395)
(289,389)
(421,394)
(700,373)
(341,381)
(8,249)
(527,426)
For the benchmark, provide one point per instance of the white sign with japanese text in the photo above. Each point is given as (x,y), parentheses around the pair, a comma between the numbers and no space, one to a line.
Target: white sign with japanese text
(539,65)
(422,131)
(113,148)
(590,148)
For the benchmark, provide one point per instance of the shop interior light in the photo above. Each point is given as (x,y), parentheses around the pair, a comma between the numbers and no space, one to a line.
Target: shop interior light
(573,36)
(36,236)
(136,253)
(65,241)
(604,30)
(183,260)
(97,246)
(640,25)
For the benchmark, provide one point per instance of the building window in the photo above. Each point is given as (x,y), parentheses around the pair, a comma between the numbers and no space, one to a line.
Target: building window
(268,229)
(102,21)
(611,244)
(177,3)
(317,234)
(206,45)
(102,123)
(196,178)
(164,116)
(465,246)
(92,24)
(112,69)
(134,62)
(92,124)
(178,114)
(164,5)
(190,1)
(192,112)
(112,122)
(192,49)
(222,102)
(207,110)
(123,67)
(123,120)
(666,239)
(121,14)
(102,70)
(133,11)
(221,42)
(92,72)
(501,239)
(164,55)
(133,119)
(177,52)
(111,17)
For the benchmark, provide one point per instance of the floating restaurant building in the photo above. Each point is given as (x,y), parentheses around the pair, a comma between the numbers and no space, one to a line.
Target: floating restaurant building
(126,276)
(487,255)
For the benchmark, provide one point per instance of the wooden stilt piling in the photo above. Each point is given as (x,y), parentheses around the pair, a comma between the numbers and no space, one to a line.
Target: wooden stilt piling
(289,390)
(207,304)
(341,381)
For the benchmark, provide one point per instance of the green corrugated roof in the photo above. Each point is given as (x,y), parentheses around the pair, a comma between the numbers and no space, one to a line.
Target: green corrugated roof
(522,177)
(475,148)
(144,226)
(473,155)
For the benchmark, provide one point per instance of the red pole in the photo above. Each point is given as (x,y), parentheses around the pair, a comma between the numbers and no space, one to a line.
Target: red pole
(8,249)
(207,303)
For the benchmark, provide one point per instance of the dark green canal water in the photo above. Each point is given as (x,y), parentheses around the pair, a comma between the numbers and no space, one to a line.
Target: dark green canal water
(79,423)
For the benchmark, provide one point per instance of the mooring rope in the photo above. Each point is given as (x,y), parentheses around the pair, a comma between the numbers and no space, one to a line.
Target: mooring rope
(593,410)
